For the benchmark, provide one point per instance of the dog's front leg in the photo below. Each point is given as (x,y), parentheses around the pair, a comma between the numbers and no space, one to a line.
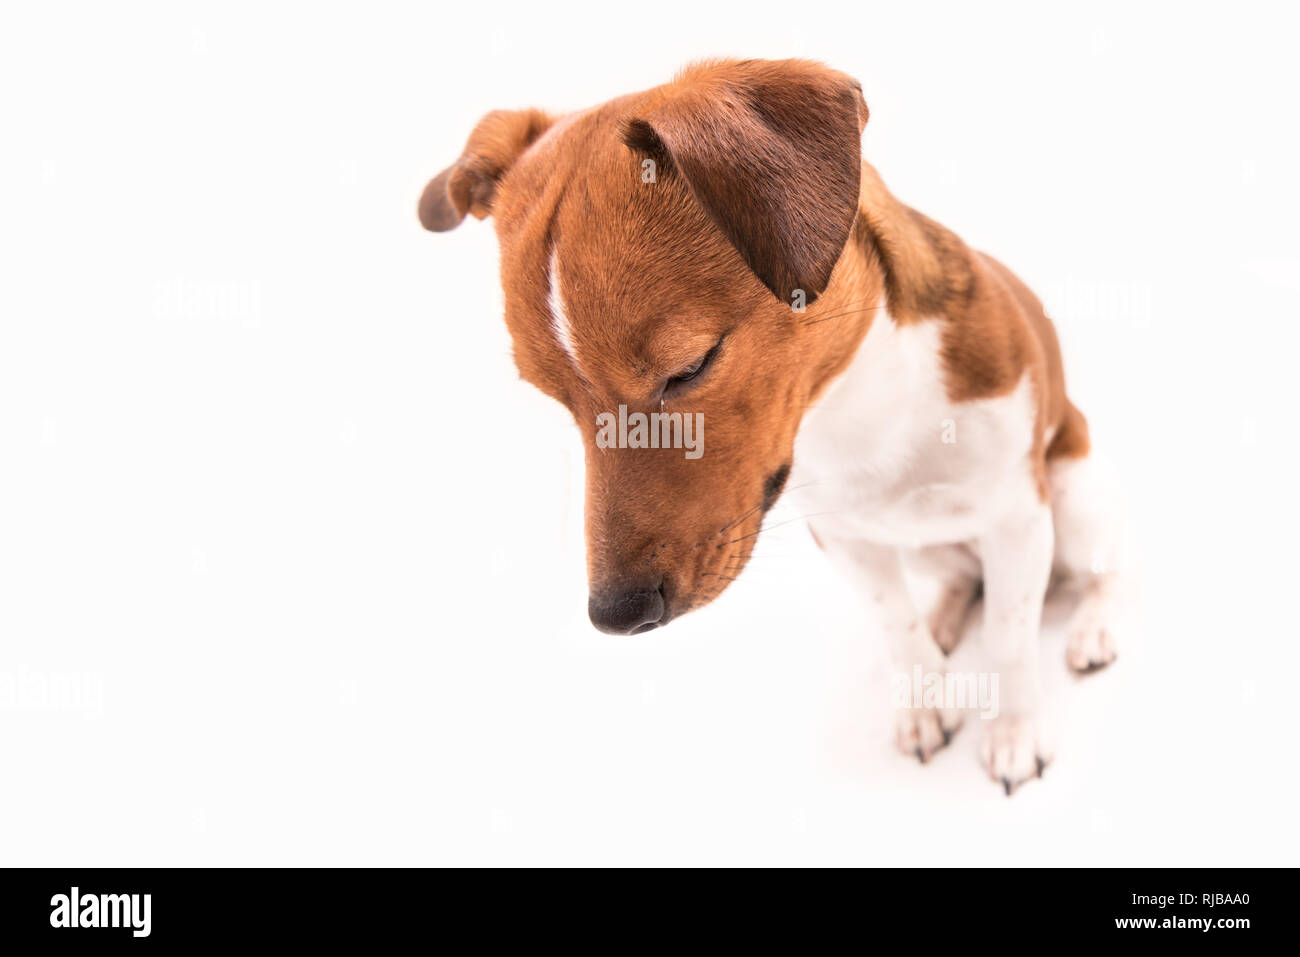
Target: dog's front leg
(923,725)
(1017,556)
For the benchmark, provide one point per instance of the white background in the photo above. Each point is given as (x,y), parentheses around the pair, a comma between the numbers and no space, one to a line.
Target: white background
(291,564)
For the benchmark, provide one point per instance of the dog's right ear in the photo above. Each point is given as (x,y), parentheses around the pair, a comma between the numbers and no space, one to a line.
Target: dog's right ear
(772,150)
(469,185)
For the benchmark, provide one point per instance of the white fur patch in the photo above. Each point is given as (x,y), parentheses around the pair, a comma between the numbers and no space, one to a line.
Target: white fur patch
(559,318)
(896,461)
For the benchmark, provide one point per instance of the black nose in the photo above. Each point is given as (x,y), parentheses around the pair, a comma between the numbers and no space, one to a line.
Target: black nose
(626,611)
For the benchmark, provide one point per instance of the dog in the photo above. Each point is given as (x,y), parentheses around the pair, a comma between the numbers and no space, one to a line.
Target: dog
(718,247)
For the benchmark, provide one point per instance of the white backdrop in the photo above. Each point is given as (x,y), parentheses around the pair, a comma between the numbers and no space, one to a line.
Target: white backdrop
(291,564)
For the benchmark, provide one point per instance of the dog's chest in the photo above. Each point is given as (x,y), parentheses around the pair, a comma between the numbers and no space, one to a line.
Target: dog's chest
(884,456)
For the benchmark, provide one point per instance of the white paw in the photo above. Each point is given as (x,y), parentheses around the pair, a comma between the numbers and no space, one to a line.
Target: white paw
(1090,638)
(1011,750)
(923,731)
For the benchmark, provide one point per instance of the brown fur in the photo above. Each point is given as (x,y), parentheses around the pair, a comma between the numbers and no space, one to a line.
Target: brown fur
(759,188)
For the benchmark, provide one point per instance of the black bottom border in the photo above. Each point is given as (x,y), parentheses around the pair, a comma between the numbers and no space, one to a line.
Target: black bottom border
(376,907)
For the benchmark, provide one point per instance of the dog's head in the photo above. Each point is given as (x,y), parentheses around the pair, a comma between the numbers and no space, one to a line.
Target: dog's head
(657,253)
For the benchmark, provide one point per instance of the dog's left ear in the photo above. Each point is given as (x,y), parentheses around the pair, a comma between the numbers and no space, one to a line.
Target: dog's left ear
(469,185)
(772,149)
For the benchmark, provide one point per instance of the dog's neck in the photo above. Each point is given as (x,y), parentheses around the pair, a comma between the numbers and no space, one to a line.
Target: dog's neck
(861,291)
(899,266)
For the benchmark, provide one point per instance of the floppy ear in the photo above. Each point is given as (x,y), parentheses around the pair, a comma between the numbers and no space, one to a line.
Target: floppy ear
(772,150)
(469,184)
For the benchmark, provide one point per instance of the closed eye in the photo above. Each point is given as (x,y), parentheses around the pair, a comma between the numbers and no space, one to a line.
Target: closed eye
(677,383)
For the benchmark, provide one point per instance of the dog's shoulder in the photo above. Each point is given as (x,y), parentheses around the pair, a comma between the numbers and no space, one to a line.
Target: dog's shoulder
(995,331)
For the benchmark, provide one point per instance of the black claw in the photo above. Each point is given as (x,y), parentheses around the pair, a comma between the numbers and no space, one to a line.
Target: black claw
(1092,666)
(1041,764)
(947,736)
(920,755)
(1006,783)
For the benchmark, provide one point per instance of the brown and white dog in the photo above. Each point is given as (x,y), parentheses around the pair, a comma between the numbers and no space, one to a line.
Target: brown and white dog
(717,245)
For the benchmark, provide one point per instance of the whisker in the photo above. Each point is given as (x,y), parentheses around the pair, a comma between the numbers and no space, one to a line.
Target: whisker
(839,315)
(799,518)
(743,515)
(750,511)
(847,305)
